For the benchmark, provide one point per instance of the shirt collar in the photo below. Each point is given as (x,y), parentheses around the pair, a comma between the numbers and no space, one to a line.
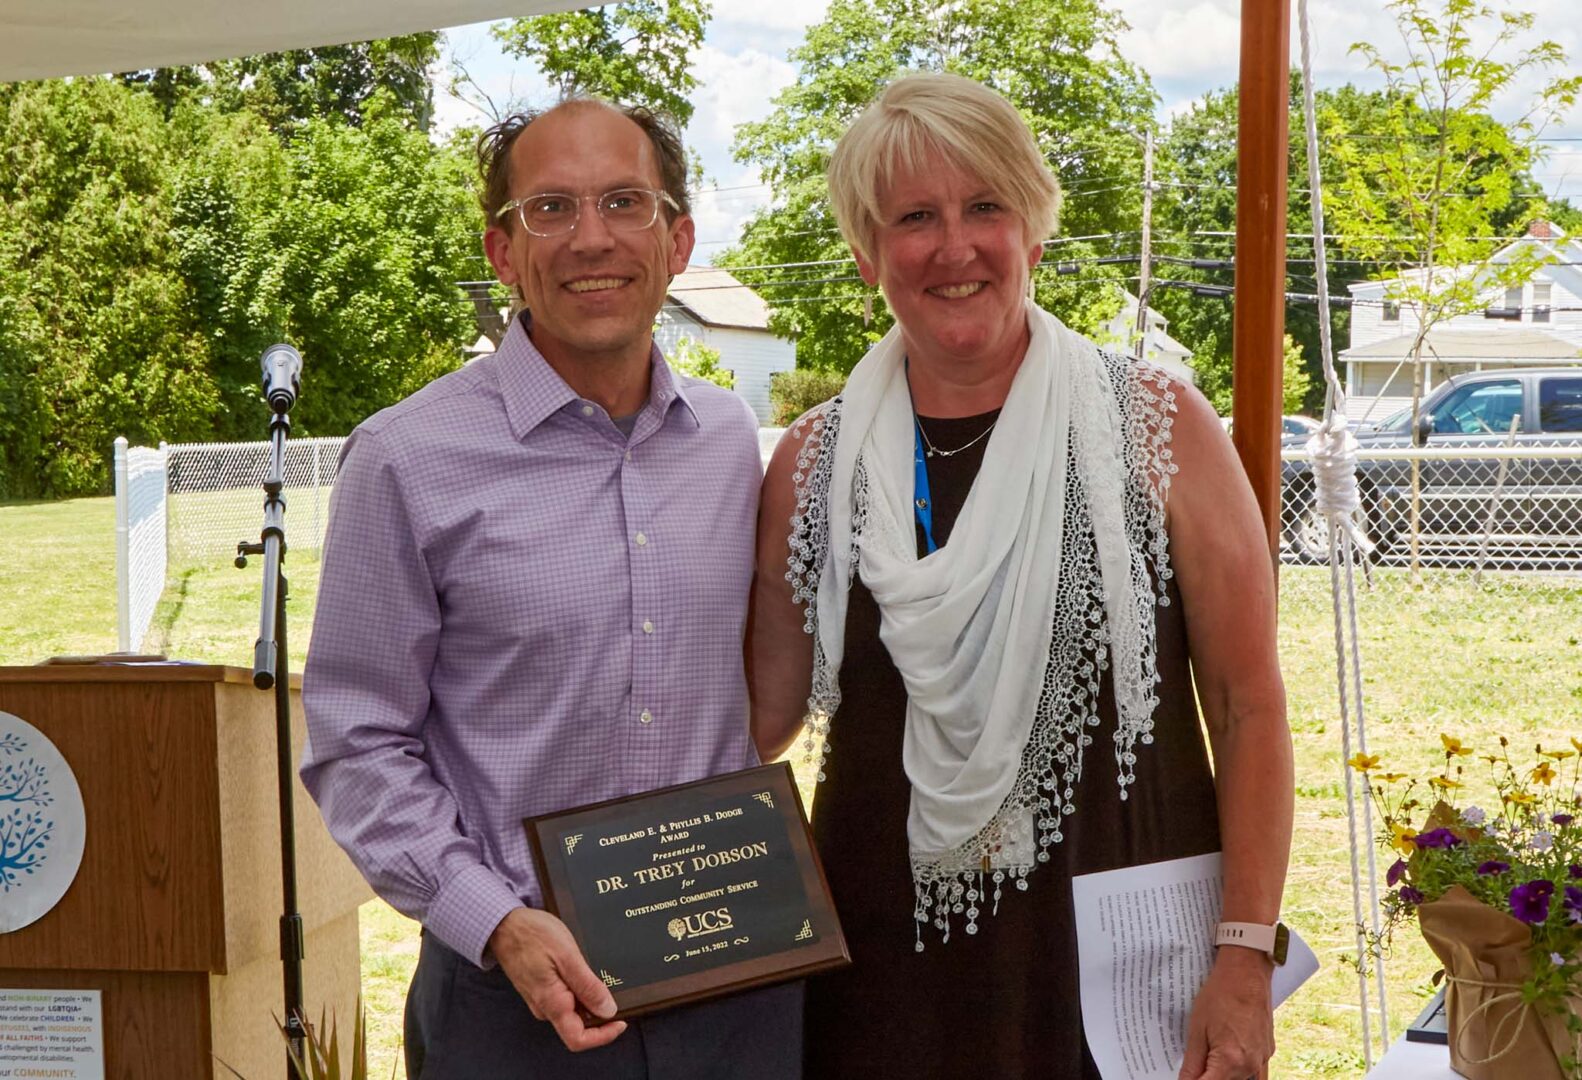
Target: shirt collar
(533,391)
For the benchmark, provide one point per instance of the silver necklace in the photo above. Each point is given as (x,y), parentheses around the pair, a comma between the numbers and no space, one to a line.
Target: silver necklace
(930,450)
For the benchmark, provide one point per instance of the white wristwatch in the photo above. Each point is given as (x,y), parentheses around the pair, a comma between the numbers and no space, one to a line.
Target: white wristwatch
(1272,941)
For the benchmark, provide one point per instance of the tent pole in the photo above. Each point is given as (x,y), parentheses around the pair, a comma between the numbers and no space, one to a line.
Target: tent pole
(1259,306)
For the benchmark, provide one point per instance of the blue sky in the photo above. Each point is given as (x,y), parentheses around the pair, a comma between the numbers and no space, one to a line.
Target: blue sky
(1187,47)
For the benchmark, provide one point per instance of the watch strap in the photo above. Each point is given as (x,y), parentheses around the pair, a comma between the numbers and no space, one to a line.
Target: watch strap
(1269,940)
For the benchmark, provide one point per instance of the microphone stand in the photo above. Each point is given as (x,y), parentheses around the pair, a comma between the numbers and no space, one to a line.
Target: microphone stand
(270,670)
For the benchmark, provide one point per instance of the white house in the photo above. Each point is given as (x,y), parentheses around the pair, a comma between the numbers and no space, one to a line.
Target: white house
(1160,347)
(1537,324)
(712,308)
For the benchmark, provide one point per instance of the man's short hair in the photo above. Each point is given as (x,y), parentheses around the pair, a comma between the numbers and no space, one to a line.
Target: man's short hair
(494,152)
(923,119)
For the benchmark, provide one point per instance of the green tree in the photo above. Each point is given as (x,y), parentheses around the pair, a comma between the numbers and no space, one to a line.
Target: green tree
(1424,200)
(98,323)
(290,88)
(691,357)
(637,52)
(145,263)
(348,243)
(1056,61)
(1195,215)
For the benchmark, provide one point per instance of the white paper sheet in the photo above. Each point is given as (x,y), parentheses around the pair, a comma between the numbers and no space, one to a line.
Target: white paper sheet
(54,1033)
(1145,944)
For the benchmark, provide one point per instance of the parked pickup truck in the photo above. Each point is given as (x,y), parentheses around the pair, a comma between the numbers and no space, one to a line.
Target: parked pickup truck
(1534,509)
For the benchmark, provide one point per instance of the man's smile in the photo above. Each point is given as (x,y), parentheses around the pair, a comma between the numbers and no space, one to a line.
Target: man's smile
(597,284)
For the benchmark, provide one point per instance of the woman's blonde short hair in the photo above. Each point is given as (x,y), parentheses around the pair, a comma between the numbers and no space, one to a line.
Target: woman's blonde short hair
(918,122)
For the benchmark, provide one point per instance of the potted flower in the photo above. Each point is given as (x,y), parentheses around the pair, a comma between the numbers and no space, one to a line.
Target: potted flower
(1497,893)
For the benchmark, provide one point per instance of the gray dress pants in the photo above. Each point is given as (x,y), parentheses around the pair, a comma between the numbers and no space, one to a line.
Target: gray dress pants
(464,1023)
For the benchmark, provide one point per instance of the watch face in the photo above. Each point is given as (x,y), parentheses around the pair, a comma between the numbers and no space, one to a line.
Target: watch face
(1282,943)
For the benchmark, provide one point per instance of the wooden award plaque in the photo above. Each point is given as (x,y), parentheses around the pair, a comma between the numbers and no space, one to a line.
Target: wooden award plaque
(693,891)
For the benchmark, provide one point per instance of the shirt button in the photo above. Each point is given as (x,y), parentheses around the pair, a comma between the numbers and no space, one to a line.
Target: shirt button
(648,627)
(646,717)
(587,410)
(642,539)
(628,455)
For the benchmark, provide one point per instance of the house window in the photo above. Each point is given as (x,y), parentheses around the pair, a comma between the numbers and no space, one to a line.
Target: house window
(1541,301)
(1513,301)
(1392,311)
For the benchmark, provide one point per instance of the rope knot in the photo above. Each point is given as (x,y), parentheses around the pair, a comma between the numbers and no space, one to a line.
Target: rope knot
(1333,452)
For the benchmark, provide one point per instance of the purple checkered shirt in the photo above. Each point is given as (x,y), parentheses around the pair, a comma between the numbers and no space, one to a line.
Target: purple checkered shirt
(521,610)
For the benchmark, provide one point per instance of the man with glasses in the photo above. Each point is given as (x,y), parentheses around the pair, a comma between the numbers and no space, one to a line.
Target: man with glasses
(533,597)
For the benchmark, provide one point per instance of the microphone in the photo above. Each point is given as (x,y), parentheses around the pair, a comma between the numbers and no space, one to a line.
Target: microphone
(282,368)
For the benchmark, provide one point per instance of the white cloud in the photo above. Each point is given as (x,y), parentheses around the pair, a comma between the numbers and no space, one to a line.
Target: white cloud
(778,15)
(737,87)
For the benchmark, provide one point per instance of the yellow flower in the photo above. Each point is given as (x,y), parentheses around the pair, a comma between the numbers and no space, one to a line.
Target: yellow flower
(1363,762)
(1401,839)
(1392,777)
(1520,798)
(1444,783)
(1490,758)
(1453,746)
(1560,755)
(1576,743)
(1544,773)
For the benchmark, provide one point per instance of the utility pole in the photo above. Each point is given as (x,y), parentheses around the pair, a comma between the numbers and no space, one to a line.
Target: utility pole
(1148,216)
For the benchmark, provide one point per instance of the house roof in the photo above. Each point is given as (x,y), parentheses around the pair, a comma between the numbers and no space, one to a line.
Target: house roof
(1563,253)
(715,298)
(1472,345)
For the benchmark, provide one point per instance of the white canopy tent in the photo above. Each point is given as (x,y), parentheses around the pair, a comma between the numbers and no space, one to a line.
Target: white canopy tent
(45,39)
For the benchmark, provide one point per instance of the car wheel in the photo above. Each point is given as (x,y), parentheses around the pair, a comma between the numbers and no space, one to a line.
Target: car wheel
(1308,532)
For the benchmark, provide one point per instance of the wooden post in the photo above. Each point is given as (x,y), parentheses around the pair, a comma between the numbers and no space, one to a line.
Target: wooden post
(1259,308)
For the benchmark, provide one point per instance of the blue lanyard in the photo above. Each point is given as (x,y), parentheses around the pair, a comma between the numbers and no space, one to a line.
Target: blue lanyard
(921,502)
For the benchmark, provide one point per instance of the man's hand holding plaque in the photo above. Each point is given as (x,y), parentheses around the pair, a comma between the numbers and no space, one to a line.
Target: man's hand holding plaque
(690,892)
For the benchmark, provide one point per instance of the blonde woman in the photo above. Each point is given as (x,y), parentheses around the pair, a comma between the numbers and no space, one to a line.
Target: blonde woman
(989,576)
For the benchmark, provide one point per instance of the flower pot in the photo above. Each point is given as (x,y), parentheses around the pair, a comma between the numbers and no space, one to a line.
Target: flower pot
(1487,955)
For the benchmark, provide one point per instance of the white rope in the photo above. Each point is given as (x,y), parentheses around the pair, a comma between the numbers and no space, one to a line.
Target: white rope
(1333,451)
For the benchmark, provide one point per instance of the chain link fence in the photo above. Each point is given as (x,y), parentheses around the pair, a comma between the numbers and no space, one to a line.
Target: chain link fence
(1494,514)
(216,495)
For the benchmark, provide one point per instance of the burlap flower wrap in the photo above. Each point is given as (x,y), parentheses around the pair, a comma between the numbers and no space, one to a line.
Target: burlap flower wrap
(1487,955)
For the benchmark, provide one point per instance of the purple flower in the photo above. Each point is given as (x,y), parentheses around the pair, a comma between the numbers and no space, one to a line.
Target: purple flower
(1493,866)
(1393,875)
(1576,871)
(1436,838)
(1562,819)
(1530,902)
(1573,904)
(1410,895)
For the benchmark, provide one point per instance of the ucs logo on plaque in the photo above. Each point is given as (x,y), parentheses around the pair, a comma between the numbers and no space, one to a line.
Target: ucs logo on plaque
(42,825)
(701,924)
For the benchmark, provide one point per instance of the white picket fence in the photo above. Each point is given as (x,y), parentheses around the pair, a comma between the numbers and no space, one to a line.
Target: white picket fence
(140,503)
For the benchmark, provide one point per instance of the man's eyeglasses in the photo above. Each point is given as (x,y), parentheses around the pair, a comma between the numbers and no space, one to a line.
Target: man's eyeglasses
(551,213)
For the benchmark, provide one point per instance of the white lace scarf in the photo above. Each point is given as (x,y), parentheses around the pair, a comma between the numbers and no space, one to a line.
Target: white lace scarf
(1058,556)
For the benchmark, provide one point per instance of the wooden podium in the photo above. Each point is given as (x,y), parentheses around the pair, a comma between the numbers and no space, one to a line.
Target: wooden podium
(174,914)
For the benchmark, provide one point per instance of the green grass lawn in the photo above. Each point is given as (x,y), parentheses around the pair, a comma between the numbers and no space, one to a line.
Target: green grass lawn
(1452,658)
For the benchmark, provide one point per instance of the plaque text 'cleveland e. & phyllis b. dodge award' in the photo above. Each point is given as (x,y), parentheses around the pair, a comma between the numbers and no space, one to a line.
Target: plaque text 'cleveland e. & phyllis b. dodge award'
(693,891)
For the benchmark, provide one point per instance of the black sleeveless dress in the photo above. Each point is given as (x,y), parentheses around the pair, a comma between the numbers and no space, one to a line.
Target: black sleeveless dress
(1002,1003)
